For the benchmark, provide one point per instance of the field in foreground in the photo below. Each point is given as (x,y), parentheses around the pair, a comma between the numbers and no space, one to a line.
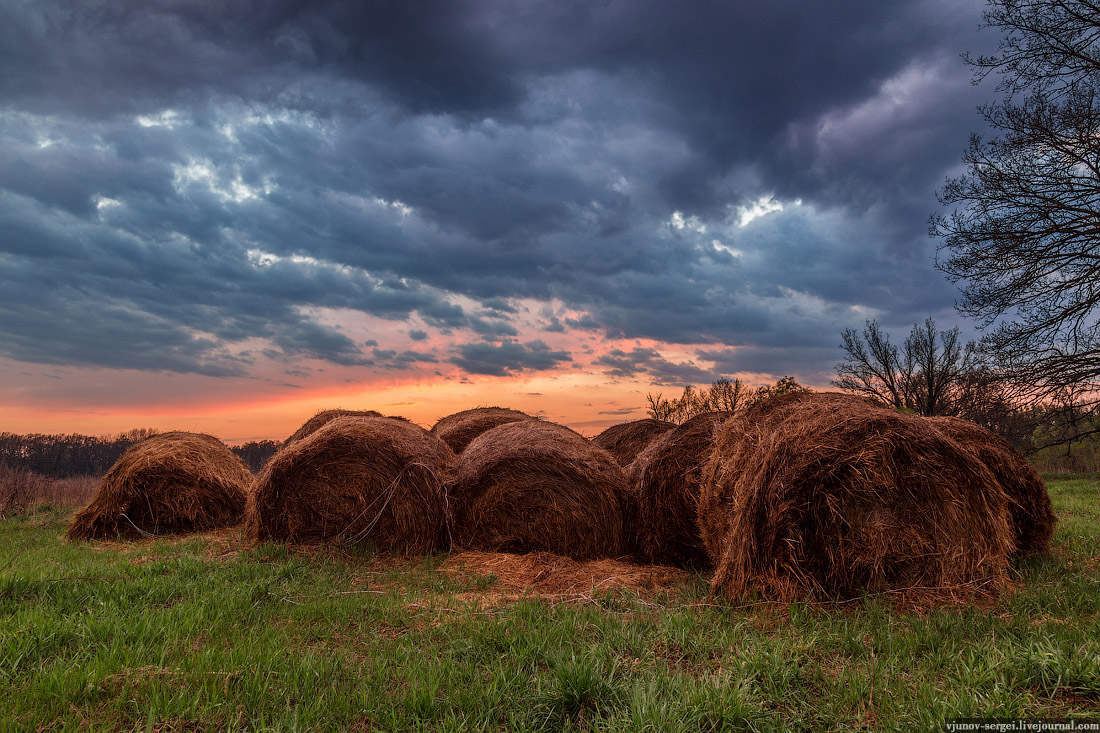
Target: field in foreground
(202,634)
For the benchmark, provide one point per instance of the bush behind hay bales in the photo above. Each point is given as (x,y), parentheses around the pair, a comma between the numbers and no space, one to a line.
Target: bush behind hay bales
(532,486)
(377,480)
(459,429)
(1029,506)
(324,417)
(169,483)
(834,499)
(625,441)
(666,478)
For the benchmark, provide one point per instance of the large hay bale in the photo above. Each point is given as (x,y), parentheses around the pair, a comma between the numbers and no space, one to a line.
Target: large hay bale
(832,498)
(322,418)
(533,486)
(459,429)
(170,483)
(666,478)
(1029,506)
(625,441)
(376,480)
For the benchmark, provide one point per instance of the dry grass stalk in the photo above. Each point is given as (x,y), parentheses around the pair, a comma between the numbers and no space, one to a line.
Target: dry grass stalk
(166,484)
(626,441)
(666,478)
(533,486)
(833,498)
(378,480)
(459,429)
(1029,506)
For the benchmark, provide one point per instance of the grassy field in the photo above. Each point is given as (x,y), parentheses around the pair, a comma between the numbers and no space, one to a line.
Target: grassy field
(203,634)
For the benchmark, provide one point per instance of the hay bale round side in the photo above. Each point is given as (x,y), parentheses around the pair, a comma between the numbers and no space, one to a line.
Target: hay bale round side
(459,429)
(322,418)
(834,499)
(625,441)
(532,486)
(171,483)
(1029,505)
(376,480)
(666,478)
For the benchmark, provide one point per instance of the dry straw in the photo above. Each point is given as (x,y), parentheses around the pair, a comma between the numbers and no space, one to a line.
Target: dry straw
(375,480)
(533,486)
(666,478)
(624,442)
(167,484)
(834,498)
(324,417)
(459,429)
(1029,506)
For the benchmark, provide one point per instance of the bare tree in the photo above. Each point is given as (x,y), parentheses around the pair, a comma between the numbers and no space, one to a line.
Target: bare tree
(923,376)
(1021,236)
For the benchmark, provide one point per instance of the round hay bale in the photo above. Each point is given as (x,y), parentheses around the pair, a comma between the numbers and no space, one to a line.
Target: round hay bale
(666,478)
(377,480)
(533,486)
(324,417)
(830,498)
(625,441)
(459,429)
(1029,506)
(171,483)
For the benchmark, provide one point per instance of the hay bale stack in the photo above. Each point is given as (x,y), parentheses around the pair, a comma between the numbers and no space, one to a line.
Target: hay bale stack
(625,441)
(1029,508)
(170,483)
(666,478)
(532,486)
(459,429)
(322,418)
(376,480)
(831,498)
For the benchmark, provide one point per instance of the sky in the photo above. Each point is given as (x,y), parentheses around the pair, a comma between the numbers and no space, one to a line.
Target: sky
(224,217)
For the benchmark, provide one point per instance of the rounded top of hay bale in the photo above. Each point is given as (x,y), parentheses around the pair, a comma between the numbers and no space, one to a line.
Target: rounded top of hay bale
(459,429)
(839,498)
(1032,516)
(322,418)
(168,483)
(532,486)
(378,480)
(666,477)
(765,407)
(626,440)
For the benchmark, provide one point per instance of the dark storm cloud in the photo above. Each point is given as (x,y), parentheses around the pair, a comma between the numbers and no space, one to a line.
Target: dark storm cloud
(509,357)
(649,362)
(210,175)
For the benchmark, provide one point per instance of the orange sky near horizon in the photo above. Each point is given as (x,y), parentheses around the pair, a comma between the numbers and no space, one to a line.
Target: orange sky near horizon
(587,402)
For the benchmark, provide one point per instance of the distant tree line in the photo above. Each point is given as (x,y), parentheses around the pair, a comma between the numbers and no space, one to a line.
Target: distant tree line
(724,395)
(64,456)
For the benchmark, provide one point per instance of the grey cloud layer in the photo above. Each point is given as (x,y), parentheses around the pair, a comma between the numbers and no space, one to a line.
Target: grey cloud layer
(178,180)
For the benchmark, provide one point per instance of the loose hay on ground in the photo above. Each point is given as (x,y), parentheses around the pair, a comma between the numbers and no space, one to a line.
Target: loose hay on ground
(666,479)
(1029,505)
(534,486)
(459,429)
(376,480)
(544,573)
(827,498)
(167,484)
(322,418)
(625,441)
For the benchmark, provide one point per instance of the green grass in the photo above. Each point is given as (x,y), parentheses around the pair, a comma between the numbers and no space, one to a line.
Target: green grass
(200,634)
